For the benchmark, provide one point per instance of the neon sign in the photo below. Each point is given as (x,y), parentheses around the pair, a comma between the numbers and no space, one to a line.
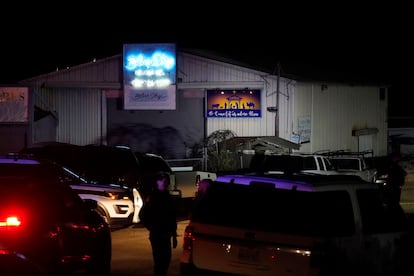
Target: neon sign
(149,66)
(149,76)
(152,70)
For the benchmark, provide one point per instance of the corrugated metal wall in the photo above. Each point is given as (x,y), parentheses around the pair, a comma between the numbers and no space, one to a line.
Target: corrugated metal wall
(193,72)
(337,110)
(78,97)
(80,114)
(198,72)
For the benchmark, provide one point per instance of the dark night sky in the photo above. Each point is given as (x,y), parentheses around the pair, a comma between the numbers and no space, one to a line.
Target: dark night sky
(368,43)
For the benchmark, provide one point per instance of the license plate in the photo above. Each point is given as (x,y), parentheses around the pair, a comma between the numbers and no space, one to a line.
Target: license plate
(249,255)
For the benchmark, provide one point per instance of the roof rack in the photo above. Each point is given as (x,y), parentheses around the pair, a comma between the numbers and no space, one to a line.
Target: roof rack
(347,153)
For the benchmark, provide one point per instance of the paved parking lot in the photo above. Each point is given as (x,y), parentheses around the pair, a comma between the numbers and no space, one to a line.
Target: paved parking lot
(131,252)
(407,193)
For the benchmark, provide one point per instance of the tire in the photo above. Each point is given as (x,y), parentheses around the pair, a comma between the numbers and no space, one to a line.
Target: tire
(104,214)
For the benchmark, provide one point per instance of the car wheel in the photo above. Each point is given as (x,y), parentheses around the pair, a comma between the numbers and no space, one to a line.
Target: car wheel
(104,214)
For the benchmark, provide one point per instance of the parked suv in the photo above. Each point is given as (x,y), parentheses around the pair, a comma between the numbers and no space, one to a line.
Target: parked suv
(113,203)
(43,219)
(353,163)
(295,225)
(282,163)
(100,174)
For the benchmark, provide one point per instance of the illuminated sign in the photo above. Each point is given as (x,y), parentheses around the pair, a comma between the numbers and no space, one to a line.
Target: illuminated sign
(149,76)
(241,103)
(14,104)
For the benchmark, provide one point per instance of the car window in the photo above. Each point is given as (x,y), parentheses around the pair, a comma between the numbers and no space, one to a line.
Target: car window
(346,164)
(377,215)
(285,163)
(152,164)
(320,163)
(105,164)
(328,164)
(277,210)
(99,164)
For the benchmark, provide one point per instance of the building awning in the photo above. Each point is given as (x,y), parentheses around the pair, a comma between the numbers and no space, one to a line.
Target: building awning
(274,143)
(261,143)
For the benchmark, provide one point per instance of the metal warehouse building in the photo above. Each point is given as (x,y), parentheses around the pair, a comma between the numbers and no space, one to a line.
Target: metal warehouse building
(84,105)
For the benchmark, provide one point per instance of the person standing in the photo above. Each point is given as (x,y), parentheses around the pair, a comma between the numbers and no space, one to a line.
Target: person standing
(203,185)
(396,178)
(158,215)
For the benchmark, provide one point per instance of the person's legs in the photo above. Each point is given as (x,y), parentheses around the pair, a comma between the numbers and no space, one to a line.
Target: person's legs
(399,194)
(161,253)
(395,195)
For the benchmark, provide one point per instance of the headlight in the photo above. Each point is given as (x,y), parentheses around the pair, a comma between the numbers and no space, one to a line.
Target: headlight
(116,196)
(382,179)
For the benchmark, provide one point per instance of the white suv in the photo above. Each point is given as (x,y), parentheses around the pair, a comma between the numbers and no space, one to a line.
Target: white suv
(102,174)
(293,163)
(113,203)
(353,163)
(295,225)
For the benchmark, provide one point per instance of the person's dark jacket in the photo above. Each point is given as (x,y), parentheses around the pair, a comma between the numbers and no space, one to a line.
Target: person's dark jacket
(158,214)
(396,176)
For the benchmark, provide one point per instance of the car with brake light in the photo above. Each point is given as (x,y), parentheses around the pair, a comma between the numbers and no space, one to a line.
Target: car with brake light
(299,224)
(45,220)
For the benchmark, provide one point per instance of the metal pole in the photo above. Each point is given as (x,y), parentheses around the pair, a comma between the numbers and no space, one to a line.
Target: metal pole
(277,102)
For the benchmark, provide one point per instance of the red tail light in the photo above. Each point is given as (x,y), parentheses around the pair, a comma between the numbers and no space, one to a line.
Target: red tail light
(11,221)
(188,238)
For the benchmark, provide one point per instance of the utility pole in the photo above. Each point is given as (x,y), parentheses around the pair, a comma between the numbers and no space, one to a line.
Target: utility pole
(277,101)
